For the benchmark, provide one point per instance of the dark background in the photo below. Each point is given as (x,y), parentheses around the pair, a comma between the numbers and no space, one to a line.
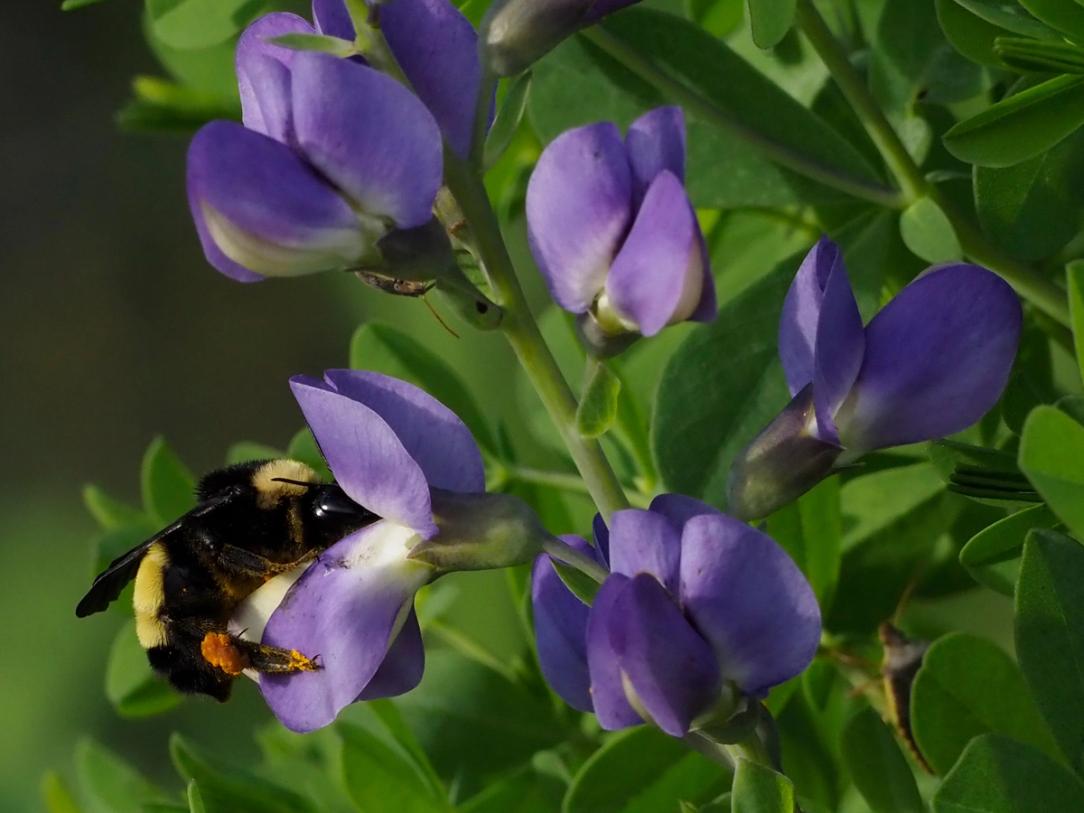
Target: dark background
(117,330)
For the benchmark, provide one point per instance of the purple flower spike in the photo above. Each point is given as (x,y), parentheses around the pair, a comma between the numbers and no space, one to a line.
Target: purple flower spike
(389,446)
(333,156)
(613,232)
(931,363)
(437,49)
(696,600)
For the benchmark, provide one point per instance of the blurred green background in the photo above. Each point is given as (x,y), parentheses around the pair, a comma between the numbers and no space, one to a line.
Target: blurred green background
(117,331)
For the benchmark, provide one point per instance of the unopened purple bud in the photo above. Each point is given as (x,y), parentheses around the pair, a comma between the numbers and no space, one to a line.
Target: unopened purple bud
(517,32)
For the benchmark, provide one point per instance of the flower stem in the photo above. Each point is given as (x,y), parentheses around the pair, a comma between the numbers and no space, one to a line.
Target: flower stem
(522,332)
(573,558)
(561,481)
(1042,293)
(703,108)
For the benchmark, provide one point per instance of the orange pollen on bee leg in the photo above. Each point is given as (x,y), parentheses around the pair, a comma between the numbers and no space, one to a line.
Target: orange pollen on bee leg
(300,663)
(219,650)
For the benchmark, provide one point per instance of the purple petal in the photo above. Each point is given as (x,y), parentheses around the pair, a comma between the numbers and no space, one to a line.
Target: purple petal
(560,627)
(403,666)
(679,509)
(745,595)
(937,359)
(259,206)
(333,19)
(656,142)
(838,355)
(607,689)
(578,209)
(645,542)
(432,434)
(263,74)
(802,312)
(669,665)
(657,278)
(602,540)
(437,48)
(345,610)
(365,455)
(369,135)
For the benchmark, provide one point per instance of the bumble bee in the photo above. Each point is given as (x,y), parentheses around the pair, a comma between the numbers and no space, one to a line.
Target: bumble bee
(253,521)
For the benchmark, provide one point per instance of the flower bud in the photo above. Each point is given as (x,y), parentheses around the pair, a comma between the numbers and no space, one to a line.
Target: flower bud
(481,532)
(517,32)
(783,462)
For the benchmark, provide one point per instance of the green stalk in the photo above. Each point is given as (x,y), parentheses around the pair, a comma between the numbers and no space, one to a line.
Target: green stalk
(1042,293)
(522,332)
(572,483)
(704,109)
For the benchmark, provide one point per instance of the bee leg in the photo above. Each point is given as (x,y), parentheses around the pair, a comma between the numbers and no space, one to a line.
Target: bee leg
(245,562)
(233,655)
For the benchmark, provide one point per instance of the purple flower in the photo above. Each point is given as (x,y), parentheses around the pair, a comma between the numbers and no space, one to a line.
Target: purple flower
(613,231)
(332,156)
(696,600)
(932,362)
(518,32)
(437,49)
(392,449)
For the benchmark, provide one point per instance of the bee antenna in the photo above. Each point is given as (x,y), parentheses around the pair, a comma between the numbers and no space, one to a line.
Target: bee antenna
(437,316)
(302,483)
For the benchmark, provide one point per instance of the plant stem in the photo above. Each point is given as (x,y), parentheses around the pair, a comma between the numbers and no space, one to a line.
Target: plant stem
(706,110)
(486,87)
(573,558)
(522,332)
(561,481)
(1042,293)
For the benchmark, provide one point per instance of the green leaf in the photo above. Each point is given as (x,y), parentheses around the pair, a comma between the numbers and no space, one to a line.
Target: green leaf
(525,791)
(1009,15)
(110,784)
(968,686)
(928,233)
(641,770)
(1052,456)
(473,721)
(1050,634)
(229,788)
(168,486)
(191,24)
(55,795)
(387,350)
(992,556)
(1066,17)
(970,34)
(577,84)
(579,584)
(247,451)
(130,684)
(811,531)
(598,406)
(877,765)
(999,775)
(759,789)
(770,20)
(316,42)
(71,5)
(719,17)
(161,105)
(1034,208)
(380,778)
(1074,273)
(506,124)
(1020,126)
(108,512)
(750,103)
(719,389)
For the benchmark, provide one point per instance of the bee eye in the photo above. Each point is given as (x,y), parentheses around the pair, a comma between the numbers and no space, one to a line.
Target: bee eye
(333,502)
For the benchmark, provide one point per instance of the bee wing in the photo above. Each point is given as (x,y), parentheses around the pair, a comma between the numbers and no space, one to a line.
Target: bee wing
(110,582)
